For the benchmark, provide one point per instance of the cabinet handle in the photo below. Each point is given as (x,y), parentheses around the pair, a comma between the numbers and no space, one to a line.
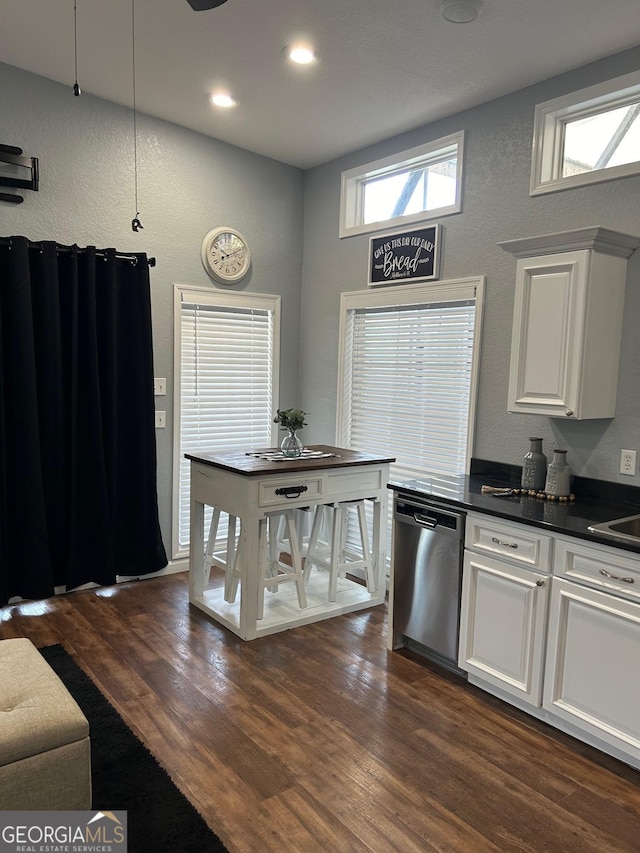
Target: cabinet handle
(616,577)
(539,582)
(500,542)
(291,491)
(569,413)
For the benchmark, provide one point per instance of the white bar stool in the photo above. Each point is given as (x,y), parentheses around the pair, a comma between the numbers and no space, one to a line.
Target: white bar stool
(275,571)
(230,561)
(335,556)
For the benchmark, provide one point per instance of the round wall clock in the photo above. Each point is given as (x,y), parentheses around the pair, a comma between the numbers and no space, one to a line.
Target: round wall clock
(225,255)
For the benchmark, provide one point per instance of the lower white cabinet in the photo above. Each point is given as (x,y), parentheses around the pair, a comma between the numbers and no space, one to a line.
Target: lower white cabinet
(565,647)
(591,679)
(503,623)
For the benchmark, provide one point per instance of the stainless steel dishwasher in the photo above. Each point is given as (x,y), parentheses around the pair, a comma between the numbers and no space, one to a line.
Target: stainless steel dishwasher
(428,541)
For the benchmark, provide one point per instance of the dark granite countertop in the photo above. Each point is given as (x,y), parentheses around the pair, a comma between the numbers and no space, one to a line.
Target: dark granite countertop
(596,501)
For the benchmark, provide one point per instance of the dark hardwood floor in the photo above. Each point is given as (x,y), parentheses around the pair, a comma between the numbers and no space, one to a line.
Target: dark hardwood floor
(318,739)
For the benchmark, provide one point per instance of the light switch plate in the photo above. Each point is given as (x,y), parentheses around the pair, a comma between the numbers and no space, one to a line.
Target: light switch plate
(159,387)
(161,420)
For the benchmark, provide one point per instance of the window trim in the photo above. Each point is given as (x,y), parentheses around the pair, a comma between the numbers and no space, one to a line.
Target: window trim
(352,182)
(189,293)
(441,291)
(548,134)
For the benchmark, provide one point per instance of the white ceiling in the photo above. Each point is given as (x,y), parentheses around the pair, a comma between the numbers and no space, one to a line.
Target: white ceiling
(388,65)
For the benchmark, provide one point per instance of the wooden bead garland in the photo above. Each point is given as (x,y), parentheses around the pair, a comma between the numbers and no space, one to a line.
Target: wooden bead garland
(533,494)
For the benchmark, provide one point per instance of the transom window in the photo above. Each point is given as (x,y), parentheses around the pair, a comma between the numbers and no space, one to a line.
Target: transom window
(587,137)
(415,185)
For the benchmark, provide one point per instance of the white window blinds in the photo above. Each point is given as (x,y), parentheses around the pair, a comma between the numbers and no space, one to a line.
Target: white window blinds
(227,364)
(408,384)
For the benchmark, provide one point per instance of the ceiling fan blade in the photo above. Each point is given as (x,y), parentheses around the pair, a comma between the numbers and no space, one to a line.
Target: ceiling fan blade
(203,5)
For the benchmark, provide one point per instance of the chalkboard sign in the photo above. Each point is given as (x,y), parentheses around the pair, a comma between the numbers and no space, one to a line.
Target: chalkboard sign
(405,256)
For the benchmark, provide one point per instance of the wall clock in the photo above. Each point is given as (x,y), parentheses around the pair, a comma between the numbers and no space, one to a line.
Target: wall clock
(225,255)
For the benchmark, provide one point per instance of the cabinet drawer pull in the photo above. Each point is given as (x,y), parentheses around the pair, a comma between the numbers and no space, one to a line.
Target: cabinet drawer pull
(569,413)
(616,577)
(500,542)
(291,491)
(539,582)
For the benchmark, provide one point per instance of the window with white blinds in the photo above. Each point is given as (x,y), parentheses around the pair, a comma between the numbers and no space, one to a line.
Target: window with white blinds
(409,371)
(226,376)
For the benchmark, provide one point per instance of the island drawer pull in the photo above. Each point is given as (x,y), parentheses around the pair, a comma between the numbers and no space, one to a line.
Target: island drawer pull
(616,577)
(291,491)
(501,542)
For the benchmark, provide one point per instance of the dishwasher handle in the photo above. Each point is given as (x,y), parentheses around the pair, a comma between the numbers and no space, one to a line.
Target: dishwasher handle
(429,517)
(425,520)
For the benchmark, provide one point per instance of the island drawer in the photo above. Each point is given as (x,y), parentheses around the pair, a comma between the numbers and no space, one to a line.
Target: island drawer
(341,485)
(517,543)
(598,566)
(294,491)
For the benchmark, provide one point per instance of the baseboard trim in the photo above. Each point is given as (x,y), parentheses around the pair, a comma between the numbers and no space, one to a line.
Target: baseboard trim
(172,568)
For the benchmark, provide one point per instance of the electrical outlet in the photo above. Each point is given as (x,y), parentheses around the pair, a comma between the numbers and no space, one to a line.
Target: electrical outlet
(161,420)
(628,462)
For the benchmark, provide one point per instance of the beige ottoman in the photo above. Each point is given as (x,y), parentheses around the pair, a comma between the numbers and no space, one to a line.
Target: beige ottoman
(45,757)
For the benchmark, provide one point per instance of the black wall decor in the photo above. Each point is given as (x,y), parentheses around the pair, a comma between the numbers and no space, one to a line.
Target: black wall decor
(12,156)
(405,256)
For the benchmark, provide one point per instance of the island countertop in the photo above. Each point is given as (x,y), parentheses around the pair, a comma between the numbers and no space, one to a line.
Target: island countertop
(248,464)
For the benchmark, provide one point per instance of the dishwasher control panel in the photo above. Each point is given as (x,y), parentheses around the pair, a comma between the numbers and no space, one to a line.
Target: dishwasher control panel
(423,513)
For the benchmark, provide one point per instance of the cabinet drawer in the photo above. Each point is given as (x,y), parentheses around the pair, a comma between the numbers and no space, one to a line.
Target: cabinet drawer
(598,566)
(340,485)
(515,542)
(295,490)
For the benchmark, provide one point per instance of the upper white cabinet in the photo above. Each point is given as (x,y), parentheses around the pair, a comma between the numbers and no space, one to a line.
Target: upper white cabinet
(567,322)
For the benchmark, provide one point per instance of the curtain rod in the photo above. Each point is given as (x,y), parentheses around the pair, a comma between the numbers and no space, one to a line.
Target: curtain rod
(123,256)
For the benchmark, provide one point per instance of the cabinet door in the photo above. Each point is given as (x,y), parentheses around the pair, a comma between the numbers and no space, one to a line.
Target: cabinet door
(502,627)
(547,334)
(591,671)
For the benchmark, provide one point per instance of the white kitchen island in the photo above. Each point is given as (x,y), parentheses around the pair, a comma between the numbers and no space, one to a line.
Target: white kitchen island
(249,488)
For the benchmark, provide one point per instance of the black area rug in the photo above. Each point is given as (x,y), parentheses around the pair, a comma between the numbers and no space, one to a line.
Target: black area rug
(126,776)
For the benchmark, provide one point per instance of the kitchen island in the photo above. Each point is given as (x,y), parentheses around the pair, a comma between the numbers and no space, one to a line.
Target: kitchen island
(250,487)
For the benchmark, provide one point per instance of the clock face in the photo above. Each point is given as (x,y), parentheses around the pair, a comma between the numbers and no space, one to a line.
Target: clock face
(225,255)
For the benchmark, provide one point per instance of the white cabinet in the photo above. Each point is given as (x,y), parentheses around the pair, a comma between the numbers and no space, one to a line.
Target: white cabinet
(591,681)
(552,625)
(504,606)
(567,322)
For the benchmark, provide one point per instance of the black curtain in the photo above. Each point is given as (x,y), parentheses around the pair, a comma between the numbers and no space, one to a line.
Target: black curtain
(78,499)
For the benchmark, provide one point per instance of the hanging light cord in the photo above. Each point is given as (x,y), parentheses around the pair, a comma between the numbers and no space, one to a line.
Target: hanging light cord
(76,88)
(136,225)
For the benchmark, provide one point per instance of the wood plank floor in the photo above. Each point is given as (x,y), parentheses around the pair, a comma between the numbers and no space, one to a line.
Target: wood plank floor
(318,739)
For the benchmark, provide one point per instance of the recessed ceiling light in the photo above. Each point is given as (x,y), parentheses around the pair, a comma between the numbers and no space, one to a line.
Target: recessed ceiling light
(301,54)
(222,99)
(460,11)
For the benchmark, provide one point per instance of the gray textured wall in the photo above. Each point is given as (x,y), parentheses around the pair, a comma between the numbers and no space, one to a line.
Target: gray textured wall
(187,184)
(496,207)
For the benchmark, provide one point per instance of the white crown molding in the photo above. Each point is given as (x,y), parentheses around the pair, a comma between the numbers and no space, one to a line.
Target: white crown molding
(595,237)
